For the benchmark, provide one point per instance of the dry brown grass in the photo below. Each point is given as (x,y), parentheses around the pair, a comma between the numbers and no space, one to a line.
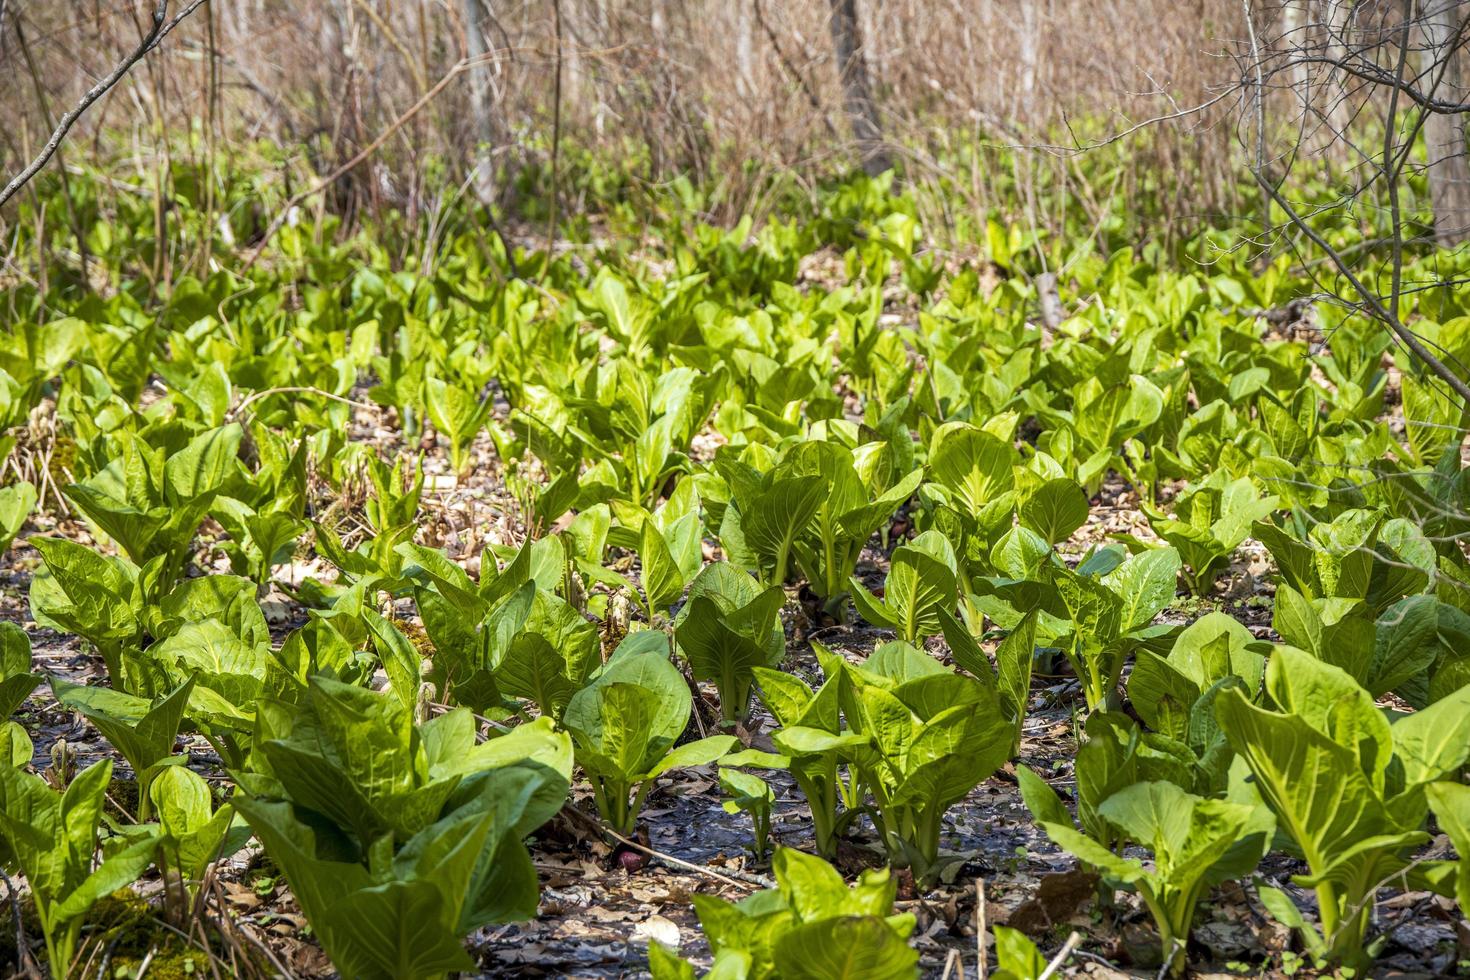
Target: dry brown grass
(732,93)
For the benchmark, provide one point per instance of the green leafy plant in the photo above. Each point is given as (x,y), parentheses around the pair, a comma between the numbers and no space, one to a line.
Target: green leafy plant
(392,513)
(1395,652)
(191,834)
(1212,652)
(811,925)
(1347,787)
(749,793)
(507,636)
(729,627)
(1450,802)
(1107,413)
(259,541)
(1096,615)
(16,503)
(921,583)
(811,739)
(1095,612)
(1054,509)
(974,464)
(264,511)
(670,559)
(1017,957)
(1113,754)
(97,597)
(973,488)
(1011,675)
(767,513)
(399,839)
(1360,554)
(458,415)
(143,731)
(857,501)
(920,737)
(625,724)
(16,680)
(51,838)
(151,501)
(1194,842)
(1210,521)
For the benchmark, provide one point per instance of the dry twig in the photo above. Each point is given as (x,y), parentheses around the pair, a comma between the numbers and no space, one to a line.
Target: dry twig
(160,29)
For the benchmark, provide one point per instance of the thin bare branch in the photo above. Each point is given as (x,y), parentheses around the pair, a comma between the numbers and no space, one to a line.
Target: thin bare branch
(161,27)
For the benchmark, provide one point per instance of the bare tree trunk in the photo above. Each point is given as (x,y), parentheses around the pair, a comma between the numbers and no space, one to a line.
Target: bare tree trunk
(744,51)
(1294,20)
(572,52)
(857,93)
(1030,58)
(1337,20)
(1444,133)
(1304,25)
(482,97)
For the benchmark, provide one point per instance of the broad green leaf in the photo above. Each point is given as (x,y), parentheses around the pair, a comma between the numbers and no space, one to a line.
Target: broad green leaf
(729,627)
(1162,694)
(227,598)
(16,680)
(16,503)
(1315,786)
(692,754)
(1434,743)
(143,731)
(83,592)
(1187,834)
(1406,643)
(845,948)
(971,463)
(1451,804)
(1016,955)
(921,581)
(664,964)
(201,466)
(118,870)
(1055,510)
(401,661)
(532,669)
(1333,703)
(663,580)
(1146,582)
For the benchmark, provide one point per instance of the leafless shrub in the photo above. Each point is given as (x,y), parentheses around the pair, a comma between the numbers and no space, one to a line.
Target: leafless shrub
(736,95)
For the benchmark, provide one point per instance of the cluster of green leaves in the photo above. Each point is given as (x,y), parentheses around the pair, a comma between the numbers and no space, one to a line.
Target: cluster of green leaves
(704,444)
(900,737)
(399,839)
(1348,785)
(626,723)
(811,926)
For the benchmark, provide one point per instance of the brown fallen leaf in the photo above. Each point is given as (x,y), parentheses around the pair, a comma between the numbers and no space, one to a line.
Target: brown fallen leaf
(657,928)
(1140,945)
(240,895)
(1058,896)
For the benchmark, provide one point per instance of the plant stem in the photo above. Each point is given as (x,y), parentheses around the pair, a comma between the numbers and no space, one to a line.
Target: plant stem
(1328,911)
(730,709)
(782,555)
(829,555)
